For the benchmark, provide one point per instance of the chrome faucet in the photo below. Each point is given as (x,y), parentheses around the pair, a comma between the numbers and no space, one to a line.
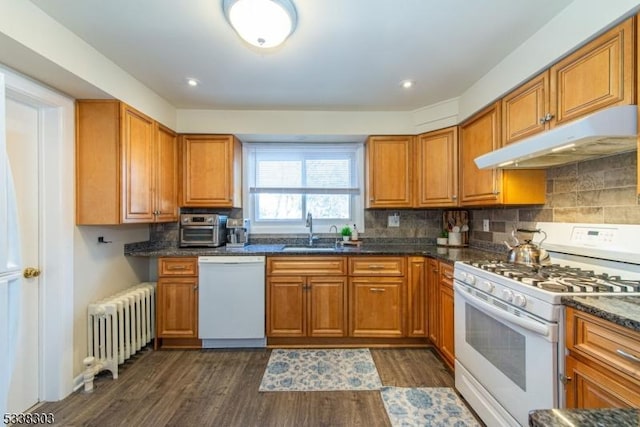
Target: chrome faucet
(309,224)
(334,227)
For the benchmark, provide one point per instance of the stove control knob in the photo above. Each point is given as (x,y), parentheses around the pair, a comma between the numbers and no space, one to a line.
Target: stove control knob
(507,295)
(520,300)
(470,279)
(488,286)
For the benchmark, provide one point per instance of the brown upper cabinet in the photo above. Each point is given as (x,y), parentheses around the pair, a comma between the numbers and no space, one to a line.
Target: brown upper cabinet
(600,74)
(388,172)
(211,170)
(524,111)
(480,134)
(436,168)
(126,166)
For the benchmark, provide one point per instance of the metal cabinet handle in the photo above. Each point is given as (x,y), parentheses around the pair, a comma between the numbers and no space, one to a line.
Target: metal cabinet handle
(176,267)
(546,118)
(195,288)
(377,289)
(376,267)
(448,276)
(454,197)
(628,356)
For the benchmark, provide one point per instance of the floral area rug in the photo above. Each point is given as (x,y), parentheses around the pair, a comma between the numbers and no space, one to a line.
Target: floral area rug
(430,406)
(320,370)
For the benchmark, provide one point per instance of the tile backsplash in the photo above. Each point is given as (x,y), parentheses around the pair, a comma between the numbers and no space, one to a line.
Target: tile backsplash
(602,190)
(595,191)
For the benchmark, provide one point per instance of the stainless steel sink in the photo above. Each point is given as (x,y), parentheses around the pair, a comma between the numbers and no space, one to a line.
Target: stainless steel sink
(307,249)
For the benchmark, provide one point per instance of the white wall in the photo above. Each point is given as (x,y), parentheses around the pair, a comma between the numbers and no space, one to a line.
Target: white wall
(62,48)
(101,270)
(577,23)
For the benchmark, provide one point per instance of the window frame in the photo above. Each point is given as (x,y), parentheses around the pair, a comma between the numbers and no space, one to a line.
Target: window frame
(298,226)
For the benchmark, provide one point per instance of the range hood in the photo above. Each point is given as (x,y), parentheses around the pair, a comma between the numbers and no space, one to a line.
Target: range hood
(605,132)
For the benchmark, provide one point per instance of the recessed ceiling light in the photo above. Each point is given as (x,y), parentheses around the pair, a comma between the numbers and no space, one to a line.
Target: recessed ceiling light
(407,84)
(192,82)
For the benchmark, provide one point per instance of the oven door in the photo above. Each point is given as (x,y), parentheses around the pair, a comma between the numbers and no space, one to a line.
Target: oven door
(201,235)
(508,358)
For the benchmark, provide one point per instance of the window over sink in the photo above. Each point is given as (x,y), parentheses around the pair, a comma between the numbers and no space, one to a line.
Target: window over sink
(284,182)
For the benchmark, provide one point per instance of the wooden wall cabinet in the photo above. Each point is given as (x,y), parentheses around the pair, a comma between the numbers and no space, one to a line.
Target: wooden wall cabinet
(211,171)
(600,369)
(480,134)
(377,296)
(306,297)
(600,74)
(436,168)
(177,303)
(125,166)
(388,172)
(525,109)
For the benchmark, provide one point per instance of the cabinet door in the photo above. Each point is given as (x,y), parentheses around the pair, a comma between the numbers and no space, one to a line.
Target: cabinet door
(590,387)
(210,168)
(479,135)
(166,175)
(416,298)
(138,140)
(446,313)
(524,109)
(177,307)
(327,306)
(598,75)
(98,162)
(286,300)
(376,306)
(388,171)
(436,168)
(433,298)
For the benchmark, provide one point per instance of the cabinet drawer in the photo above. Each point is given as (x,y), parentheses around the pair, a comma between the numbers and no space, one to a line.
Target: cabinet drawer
(377,266)
(179,266)
(604,342)
(306,265)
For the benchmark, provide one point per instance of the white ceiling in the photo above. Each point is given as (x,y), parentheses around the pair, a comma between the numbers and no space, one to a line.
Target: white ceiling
(344,54)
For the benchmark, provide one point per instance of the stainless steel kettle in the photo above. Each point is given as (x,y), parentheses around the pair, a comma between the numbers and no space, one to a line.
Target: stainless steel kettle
(527,253)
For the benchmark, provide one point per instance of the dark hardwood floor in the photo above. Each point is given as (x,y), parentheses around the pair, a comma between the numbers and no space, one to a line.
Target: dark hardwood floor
(220,388)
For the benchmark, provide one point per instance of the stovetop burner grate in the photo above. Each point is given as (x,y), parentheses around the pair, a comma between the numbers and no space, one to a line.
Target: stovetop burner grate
(559,278)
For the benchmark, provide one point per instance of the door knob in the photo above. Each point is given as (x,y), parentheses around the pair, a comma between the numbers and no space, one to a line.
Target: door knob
(30,272)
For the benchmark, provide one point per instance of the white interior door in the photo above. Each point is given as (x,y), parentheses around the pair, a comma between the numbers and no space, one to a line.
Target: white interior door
(22,140)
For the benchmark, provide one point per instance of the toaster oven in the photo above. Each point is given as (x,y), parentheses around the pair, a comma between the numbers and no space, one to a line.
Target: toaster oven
(202,230)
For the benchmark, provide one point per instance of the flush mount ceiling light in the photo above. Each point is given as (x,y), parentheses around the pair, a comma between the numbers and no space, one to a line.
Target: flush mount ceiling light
(262,23)
(192,82)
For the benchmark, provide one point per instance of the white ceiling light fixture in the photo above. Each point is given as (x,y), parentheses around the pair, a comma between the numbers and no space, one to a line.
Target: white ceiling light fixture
(192,82)
(262,23)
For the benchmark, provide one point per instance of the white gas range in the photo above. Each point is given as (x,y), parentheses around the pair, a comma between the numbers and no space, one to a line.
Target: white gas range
(509,319)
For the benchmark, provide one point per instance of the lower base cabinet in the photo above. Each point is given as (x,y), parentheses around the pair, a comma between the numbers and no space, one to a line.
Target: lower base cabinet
(602,368)
(440,309)
(376,307)
(177,303)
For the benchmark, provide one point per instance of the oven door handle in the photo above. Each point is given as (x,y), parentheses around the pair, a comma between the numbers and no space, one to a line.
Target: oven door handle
(530,325)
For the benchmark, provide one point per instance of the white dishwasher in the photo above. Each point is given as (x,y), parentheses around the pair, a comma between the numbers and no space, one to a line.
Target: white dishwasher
(231,301)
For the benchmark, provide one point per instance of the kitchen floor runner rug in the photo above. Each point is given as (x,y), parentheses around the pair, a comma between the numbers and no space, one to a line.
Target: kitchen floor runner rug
(320,370)
(428,406)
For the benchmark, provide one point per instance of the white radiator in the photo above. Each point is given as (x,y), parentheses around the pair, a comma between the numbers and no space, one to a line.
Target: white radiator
(119,326)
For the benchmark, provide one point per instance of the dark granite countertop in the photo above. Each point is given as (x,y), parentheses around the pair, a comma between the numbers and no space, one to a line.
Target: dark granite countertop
(585,417)
(447,254)
(622,310)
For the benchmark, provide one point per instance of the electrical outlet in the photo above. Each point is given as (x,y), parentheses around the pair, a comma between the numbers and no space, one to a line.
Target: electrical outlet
(393,220)
(485,225)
